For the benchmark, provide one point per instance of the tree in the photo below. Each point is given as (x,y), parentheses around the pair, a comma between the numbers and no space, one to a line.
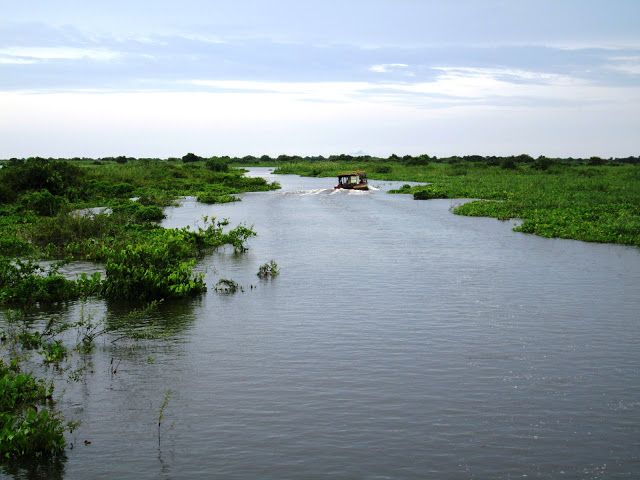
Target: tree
(191,157)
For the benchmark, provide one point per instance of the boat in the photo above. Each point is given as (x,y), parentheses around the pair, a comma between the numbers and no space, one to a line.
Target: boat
(353,181)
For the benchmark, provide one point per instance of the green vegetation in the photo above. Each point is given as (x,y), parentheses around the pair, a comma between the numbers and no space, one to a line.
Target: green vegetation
(269,270)
(43,215)
(28,426)
(591,200)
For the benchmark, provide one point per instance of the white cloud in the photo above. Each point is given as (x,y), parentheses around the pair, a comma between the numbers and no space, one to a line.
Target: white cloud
(452,86)
(625,64)
(387,67)
(9,60)
(32,54)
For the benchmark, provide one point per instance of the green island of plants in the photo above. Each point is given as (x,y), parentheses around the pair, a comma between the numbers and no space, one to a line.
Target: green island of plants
(591,200)
(48,211)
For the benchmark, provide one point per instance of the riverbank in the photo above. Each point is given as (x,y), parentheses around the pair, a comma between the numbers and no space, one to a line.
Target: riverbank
(594,203)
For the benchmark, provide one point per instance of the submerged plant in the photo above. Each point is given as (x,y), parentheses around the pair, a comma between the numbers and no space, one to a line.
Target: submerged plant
(269,270)
(54,352)
(227,286)
(163,406)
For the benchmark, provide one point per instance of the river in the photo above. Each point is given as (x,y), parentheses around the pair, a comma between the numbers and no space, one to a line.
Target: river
(398,341)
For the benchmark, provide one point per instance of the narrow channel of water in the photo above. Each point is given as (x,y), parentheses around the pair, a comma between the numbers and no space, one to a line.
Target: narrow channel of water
(399,341)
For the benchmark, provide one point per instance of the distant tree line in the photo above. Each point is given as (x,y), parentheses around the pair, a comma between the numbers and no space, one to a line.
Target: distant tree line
(220,163)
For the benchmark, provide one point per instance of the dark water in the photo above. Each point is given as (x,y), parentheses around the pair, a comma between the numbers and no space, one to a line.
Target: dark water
(399,341)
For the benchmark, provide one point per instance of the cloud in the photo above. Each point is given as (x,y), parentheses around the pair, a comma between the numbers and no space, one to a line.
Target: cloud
(451,86)
(32,54)
(626,64)
(387,67)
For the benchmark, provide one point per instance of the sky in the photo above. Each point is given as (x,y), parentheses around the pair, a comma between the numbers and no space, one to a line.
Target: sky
(161,78)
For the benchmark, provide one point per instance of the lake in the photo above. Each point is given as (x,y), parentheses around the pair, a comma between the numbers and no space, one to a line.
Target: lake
(398,341)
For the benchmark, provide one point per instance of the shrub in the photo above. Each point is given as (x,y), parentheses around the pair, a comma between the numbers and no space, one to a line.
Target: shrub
(508,164)
(382,169)
(191,157)
(227,286)
(138,213)
(65,229)
(24,282)
(217,165)
(421,161)
(120,189)
(161,267)
(542,163)
(14,246)
(43,202)
(37,174)
(27,432)
(268,270)
(429,192)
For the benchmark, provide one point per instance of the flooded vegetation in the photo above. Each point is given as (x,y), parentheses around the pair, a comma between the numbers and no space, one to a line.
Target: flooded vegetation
(444,344)
(591,200)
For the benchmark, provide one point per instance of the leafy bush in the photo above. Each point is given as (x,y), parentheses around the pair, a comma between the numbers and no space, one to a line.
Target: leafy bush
(25,282)
(162,265)
(217,164)
(158,268)
(382,169)
(43,202)
(7,194)
(25,431)
(508,164)
(12,245)
(37,174)
(421,161)
(542,163)
(191,157)
(139,213)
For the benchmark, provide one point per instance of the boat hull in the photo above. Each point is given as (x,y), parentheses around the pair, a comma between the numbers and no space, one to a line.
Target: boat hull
(351,187)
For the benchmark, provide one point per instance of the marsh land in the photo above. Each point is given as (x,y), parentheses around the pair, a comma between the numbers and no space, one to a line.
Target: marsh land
(444,343)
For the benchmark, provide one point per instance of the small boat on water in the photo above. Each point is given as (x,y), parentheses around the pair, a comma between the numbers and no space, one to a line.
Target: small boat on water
(353,181)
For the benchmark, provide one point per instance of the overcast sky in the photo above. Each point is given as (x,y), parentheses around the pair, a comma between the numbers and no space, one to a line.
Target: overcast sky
(161,78)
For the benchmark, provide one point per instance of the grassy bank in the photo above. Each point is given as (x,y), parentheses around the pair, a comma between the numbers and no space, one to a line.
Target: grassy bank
(576,200)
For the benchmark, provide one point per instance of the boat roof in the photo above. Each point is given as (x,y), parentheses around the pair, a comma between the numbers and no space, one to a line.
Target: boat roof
(358,172)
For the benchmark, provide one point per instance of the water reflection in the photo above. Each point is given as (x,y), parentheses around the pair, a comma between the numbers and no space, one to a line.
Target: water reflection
(44,470)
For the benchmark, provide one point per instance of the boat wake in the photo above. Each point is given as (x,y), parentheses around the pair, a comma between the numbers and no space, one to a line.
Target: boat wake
(329,191)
